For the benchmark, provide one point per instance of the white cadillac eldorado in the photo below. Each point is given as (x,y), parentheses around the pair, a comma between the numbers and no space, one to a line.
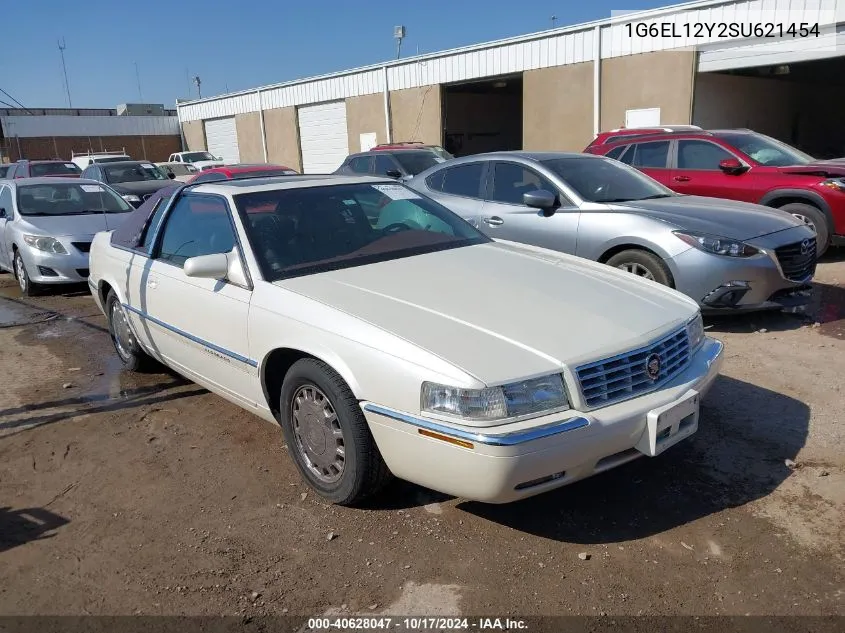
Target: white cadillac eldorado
(388,336)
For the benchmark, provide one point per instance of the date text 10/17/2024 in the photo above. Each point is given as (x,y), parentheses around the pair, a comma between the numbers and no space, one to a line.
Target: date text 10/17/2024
(722,30)
(376,623)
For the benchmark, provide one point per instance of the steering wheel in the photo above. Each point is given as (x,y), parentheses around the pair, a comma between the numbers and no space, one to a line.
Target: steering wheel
(396,227)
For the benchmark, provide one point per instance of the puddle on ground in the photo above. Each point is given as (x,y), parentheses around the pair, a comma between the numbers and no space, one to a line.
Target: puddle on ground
(13,313)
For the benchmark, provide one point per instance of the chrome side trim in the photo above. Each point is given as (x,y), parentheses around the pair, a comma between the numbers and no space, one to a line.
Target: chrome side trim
(504,439)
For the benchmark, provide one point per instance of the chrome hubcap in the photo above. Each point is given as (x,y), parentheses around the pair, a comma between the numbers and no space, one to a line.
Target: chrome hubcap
(21,272)
(319,438)
(124,340)
(637,269)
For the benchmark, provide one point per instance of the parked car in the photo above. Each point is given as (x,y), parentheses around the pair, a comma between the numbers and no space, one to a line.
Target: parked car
(200,160)
(180,172)
(134,180)
(242,170)
(740,165)
(39,168)
(395,163)
(435,149)
(6,170)
(47,224)
(726,255)
(90,158)
(392,347)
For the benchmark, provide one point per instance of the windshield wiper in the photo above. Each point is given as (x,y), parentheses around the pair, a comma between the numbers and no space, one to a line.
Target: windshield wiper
(654,197)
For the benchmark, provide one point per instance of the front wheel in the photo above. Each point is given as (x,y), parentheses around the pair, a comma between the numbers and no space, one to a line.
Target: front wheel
(642,264)
(814,218)
(328,436)
(28,288)
(125,343)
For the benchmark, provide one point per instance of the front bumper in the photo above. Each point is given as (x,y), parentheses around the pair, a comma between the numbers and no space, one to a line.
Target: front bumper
(504,464)
(48,268)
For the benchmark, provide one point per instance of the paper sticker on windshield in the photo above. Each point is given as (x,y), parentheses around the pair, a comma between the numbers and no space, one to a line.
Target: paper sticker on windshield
(146,166)
(92,188)
(397,192)
(70,165)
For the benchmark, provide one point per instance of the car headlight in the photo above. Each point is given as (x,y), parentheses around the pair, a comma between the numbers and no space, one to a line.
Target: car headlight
(837,184)
(525,397)
(46,244)
(717,245)
(131,198)
(695,331)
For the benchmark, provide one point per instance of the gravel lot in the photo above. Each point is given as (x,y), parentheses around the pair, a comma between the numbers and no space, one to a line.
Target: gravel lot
(124,494)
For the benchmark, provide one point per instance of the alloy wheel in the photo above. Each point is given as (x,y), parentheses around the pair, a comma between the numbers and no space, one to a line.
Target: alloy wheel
(636,269)
(124,340)
(20,272)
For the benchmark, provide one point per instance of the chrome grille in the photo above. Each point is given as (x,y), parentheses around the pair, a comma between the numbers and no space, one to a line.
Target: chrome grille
(798,260)
(624,376)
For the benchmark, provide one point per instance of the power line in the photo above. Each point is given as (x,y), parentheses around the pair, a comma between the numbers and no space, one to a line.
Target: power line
(8,104)
(16,101)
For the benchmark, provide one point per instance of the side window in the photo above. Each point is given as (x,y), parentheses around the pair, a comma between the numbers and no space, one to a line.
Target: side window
(654,154)
(197,225)
(384,164)
(90,172)
(463,180)
(360,164)
(700,155)
(6,201)
(616,152)
(152,225)
(511,181)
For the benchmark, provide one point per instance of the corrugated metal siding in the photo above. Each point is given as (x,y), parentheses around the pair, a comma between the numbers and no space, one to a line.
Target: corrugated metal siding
(37,126)
(744,54)
(329,89)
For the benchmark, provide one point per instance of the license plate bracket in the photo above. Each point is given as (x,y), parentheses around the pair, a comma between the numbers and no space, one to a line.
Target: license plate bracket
(669,424)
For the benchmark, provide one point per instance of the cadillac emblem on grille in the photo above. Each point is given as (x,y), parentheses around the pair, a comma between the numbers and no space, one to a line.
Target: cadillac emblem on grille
(805,247)
(652,367)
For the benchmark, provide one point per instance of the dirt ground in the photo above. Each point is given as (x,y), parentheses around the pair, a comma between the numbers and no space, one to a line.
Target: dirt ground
(123,494)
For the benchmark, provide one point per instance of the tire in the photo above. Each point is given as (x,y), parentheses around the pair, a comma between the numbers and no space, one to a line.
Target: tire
(816,219)
(27,286)
(360,472)
(125,344)
(643,264)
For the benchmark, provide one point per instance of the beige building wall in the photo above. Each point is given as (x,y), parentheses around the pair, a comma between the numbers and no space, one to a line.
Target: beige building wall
(250,145)
(194,132)
(364,115)
(415,115)
(557,110)
(649,80)
(282,137)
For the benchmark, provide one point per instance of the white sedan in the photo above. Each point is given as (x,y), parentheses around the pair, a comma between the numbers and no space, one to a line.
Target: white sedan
(388,336)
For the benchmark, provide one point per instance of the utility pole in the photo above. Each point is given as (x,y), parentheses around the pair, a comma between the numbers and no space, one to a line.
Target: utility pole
(138,78)
(554,21)
(62,47)
(198,82)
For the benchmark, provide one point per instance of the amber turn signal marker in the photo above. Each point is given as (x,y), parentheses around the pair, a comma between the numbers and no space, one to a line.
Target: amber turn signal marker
(445,438)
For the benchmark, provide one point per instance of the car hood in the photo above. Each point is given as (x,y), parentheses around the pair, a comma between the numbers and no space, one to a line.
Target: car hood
(141,187)
(714,216)
(823,168)
(503,311)
(71,225)
(202,164)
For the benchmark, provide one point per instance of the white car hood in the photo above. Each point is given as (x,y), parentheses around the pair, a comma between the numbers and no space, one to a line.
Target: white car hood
(502,311)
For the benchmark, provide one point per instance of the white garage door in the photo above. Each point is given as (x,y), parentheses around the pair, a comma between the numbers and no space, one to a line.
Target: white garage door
(221,135)
(322,136)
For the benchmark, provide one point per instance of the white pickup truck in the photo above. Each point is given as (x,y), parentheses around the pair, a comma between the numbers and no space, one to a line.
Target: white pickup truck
(200,160)
(85,159)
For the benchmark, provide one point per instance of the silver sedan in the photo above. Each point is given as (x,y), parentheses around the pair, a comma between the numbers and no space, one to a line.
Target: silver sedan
(726,255)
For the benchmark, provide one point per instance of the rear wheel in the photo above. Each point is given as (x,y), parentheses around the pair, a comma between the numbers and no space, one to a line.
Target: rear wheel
(125,343)
(328,436)
(815,219)
(642,264)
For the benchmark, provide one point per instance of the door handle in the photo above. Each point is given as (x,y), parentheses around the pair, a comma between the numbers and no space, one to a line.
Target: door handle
(494,221)
(681,178)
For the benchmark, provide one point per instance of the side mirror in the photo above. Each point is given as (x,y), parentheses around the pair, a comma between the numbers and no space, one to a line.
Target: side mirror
(732,166)
(171,175)
(221,266)
(393,173)
(540,199)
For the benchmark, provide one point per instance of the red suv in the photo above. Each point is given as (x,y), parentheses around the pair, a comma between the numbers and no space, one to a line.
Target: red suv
(47,167)
(738,165)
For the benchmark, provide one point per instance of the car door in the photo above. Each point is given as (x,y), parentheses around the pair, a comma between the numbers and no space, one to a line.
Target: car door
(651,158)
(505,216)
(697,172)
(199,326)
(460,189)
(6,203)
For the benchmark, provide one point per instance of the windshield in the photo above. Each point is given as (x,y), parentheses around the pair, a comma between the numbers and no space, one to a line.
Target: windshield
(69,199)
(308,230)
(4,169)
(766,150)
(605,180)
(192,157)
(137,172)
(416,162)
(54,169)
(442,153)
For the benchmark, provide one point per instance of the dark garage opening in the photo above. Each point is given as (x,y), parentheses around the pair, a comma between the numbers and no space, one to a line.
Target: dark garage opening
(799,103)
(483,116)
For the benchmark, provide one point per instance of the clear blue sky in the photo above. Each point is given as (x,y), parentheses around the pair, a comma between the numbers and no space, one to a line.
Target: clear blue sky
(242,44)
